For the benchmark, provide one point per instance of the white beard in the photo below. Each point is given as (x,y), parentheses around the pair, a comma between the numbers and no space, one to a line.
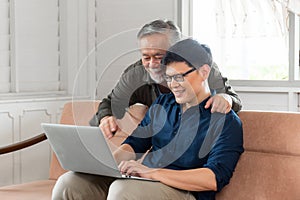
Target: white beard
(156,75)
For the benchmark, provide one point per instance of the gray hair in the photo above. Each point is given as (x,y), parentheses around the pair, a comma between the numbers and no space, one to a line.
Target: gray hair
(161,27)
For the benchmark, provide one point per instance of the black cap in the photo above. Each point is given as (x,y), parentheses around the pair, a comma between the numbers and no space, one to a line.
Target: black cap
(189,51)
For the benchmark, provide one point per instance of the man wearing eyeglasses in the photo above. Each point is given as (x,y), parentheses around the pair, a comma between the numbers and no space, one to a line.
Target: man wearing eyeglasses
(193,151)
(143,81)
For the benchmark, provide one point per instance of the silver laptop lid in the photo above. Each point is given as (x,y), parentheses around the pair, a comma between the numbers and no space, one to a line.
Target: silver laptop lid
(81,149)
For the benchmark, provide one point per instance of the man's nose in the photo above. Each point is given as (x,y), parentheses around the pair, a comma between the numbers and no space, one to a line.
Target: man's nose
(154,62)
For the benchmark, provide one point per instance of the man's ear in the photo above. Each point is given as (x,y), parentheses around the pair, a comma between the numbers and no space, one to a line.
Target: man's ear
(205,70)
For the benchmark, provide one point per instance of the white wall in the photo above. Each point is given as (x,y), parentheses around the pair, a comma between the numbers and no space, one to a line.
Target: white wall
(116,31)
(21,115)
(99,40)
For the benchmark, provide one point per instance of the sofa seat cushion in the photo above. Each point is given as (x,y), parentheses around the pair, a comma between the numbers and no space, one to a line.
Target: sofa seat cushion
(40,190)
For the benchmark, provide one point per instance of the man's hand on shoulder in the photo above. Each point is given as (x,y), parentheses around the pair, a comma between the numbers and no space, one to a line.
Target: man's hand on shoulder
(221,103)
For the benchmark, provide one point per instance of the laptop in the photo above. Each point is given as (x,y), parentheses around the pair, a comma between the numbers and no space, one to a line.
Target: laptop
(83,149)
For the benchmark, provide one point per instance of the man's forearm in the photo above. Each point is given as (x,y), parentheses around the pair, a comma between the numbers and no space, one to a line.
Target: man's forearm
(236,104)
(104,109)
(123,153)
(201,179)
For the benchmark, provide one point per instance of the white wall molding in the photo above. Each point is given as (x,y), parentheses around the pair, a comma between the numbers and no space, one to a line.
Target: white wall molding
(267,89)
(19,121)
(269,98)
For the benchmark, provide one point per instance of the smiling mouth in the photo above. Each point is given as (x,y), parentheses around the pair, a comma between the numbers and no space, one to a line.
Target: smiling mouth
(178,92)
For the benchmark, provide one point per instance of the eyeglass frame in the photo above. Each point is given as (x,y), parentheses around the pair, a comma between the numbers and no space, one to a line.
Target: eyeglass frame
(178,77)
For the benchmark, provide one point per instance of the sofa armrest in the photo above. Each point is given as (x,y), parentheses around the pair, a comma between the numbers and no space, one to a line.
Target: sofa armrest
(23,144)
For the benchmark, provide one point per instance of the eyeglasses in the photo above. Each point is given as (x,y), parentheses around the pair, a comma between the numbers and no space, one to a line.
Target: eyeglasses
(178,77)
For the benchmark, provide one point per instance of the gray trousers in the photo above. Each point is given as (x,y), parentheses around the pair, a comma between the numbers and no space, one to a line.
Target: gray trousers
(79,186)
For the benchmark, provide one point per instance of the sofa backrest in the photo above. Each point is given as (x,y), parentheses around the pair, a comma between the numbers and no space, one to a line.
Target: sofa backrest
(270,166)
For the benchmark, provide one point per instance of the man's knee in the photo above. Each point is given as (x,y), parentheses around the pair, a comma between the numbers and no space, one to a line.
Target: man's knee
(81,186)
(65,186)
(121,189)
(136,190)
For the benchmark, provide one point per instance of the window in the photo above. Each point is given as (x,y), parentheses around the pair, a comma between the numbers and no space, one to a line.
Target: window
(29,46)
(250,39)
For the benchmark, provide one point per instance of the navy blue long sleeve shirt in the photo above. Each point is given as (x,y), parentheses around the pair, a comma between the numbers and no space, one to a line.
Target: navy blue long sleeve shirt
(193,139)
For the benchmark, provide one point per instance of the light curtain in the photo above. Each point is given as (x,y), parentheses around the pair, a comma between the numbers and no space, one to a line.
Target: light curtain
(249,38)
(292,5)
(252,18)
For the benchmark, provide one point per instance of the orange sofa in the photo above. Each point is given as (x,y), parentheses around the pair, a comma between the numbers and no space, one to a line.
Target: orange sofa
(269,169)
